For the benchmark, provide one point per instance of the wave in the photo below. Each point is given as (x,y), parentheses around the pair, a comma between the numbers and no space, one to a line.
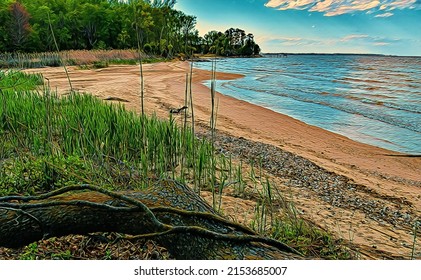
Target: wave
(384,93)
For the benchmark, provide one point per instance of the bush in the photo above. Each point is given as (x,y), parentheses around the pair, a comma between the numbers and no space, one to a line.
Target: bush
(147,48)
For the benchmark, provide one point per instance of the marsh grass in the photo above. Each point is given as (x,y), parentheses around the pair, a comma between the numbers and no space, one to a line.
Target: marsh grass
(77,57)
(11,80)
(106,137)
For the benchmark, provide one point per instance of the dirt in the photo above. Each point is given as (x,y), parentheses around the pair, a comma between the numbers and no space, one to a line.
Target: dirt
(366,195)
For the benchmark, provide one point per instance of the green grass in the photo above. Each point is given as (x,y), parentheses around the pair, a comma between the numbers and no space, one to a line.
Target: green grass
(18,81)
(107,136)
(306,238)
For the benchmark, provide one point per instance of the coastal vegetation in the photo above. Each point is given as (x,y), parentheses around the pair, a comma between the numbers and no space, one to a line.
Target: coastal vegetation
(80,58)
(153,26)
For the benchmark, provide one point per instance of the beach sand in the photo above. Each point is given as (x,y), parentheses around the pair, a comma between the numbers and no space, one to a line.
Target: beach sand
(374,179)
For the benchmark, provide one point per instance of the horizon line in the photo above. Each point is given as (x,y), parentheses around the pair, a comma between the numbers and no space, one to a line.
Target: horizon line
(339,53)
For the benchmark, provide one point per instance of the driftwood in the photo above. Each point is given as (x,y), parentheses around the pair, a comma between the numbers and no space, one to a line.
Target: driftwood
(169,213)
(178,110)
(113,98)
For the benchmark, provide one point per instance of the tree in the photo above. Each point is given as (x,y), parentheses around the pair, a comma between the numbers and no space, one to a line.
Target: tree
(236,37)
(256,49)
(142,21)
(169,213)
(26,25)
(161,3)
(209,40)
(234,41)
(188,23)
(248,47)
(93,23)
(4,19)
(19,26)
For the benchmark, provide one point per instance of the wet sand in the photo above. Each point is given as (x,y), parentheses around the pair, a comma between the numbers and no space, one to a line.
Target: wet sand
(385,181)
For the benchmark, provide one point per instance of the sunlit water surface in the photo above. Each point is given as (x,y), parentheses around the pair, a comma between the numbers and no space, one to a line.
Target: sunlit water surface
(371,99)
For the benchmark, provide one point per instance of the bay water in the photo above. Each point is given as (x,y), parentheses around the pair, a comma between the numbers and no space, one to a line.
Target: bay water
(370,99)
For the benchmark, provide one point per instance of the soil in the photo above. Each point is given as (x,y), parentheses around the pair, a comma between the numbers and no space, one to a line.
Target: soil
(363,194)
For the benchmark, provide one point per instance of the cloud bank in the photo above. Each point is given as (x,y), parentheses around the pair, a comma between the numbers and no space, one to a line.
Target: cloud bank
(362,40)
(340,7)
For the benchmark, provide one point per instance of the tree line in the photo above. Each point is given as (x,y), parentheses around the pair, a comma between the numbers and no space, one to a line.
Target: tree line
(153,26)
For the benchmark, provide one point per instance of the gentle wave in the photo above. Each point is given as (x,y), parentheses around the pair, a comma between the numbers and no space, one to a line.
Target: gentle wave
(371,99)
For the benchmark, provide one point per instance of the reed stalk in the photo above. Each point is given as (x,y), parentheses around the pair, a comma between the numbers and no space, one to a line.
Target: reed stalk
(184,148)
(213,90)
(213,135)
(195,179)
(415,231)
(58,52)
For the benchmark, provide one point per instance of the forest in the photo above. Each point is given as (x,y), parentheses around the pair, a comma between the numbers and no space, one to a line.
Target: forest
(152,26)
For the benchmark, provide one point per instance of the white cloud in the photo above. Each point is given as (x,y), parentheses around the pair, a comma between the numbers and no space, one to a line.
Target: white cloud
(340,7)
(349,41)
(282,40)
(389,14)
(354,37)
(271,41)
(285,5)
(364,39)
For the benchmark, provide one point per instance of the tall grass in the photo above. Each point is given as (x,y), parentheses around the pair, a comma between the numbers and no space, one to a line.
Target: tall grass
(18,81)
(58,51)
(83,126)
(76,57)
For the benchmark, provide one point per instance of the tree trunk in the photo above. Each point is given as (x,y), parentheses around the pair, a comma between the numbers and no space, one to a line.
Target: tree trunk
(169,213)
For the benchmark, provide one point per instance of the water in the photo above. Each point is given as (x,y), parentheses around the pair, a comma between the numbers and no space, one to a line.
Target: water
(370,99)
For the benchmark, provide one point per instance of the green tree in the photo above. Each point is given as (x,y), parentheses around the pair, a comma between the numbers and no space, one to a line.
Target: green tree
(188,24)
(26,25)
(4,19)
(161,3)
(142,20)
(93,23)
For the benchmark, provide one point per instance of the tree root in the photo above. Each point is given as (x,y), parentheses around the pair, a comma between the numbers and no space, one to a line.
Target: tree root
(168,213)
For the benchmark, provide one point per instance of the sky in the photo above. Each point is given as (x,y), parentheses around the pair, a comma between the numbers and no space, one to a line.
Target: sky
(390,27)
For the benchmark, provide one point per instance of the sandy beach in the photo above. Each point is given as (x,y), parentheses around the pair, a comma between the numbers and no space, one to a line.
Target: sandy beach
(379,190)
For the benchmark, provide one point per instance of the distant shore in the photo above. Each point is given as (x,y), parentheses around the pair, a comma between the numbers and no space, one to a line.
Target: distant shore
(356,54)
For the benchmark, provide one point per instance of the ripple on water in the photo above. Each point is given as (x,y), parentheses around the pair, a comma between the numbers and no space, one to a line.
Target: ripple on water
(380,97)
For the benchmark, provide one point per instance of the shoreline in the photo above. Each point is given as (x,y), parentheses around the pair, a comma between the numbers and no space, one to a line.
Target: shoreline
(165,88)
(391,181)
(262,121)
(365,117)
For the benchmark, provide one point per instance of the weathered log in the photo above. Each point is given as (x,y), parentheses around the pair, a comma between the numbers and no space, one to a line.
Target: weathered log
(169,213)
(113,98)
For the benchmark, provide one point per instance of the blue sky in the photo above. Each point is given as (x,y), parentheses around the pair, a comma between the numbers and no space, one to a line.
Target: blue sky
(391,27)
